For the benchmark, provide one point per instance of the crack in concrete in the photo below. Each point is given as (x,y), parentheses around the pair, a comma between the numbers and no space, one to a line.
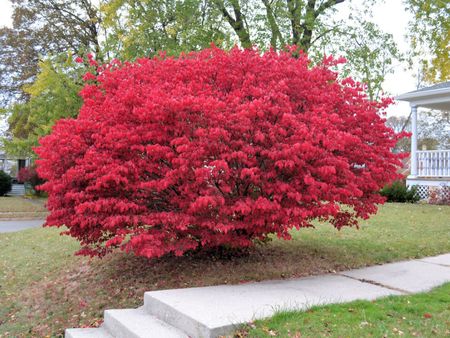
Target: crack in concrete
(368,281)
(440,264)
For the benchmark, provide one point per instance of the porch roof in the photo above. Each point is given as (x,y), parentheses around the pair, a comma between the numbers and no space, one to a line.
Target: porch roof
(433,97)
(5,157)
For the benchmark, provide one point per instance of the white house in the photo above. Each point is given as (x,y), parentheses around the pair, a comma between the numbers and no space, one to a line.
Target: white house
(429,168)
(11,165)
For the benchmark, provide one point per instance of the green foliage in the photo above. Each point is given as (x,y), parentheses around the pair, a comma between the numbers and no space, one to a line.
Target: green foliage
(429,31)
(370,53)
(144,28)
(5,183)
(40,29)
(53,95)
(399,192)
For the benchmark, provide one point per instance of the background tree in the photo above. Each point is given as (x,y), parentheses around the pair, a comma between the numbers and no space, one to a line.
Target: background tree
(370,53)
(400,124)
(143,28)
(294,22)
(43,35)
(432,127)
(53,95)
(429,33)
(43,28)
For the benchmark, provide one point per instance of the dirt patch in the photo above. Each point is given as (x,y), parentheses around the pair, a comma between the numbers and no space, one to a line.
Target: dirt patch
(79,295)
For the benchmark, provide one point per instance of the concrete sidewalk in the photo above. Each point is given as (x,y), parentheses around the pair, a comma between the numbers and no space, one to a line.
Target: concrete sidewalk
(18,225)
(218,310)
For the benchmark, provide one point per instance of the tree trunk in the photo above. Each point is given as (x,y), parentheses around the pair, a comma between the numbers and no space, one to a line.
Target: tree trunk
(236,22)
(275,30)
(302,24)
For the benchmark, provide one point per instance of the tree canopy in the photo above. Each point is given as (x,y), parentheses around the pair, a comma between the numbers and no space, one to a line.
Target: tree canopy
(39,81)
(430,32)
(43,29)
(53,95)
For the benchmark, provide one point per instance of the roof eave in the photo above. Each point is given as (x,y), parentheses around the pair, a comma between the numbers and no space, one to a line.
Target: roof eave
(420,95)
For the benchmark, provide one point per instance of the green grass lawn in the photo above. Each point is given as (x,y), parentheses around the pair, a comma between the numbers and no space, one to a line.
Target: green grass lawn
(22,207)
(421,315)
(44,288)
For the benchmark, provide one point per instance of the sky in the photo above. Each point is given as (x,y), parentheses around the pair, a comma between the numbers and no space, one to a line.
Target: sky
(390,15)
(5,13)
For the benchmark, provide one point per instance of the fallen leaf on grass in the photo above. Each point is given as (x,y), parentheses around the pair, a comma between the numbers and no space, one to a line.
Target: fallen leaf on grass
(270,332)
(399,332)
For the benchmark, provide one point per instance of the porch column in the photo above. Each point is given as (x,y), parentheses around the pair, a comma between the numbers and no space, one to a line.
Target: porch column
(413,141)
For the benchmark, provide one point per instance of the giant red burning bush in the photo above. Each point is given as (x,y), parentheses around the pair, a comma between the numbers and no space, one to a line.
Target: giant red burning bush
(214,149)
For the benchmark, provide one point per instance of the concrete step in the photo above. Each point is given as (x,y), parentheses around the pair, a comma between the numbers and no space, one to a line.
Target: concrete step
(210,312)
(87,333)
(175,317)
(218,310)
(136,323)
(17,190)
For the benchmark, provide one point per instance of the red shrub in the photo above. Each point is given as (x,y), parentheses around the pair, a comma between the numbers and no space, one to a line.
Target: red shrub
(29,175)
(24,175)
(214,148)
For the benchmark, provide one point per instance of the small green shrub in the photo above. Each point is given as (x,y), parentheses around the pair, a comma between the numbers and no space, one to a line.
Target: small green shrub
(399,192)
(5,183)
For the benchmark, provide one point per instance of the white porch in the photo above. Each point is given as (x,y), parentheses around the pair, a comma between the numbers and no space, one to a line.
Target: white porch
(429,168)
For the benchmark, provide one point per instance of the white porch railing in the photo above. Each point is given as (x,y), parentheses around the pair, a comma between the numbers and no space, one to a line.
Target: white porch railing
(433,163)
